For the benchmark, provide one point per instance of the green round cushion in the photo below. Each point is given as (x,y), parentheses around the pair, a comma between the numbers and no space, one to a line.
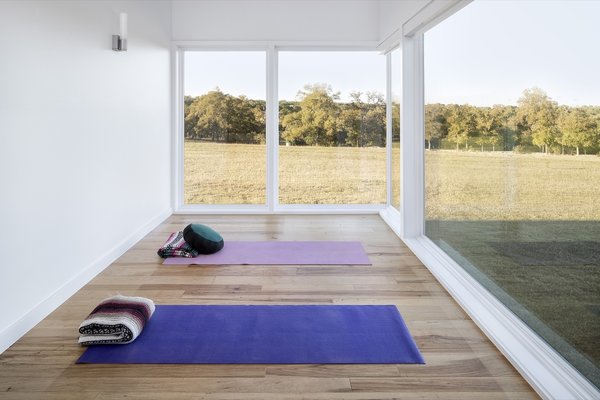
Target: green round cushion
(202,238)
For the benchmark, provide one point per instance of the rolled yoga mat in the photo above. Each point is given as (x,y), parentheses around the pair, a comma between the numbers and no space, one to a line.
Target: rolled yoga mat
(281,253)
(302,334)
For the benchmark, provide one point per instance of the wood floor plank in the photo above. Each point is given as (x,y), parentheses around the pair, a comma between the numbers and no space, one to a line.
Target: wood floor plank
(269,384)
(461,363)
(432,384)
(323,371)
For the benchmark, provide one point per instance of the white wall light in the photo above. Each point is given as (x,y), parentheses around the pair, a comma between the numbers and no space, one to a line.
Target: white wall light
(119,42)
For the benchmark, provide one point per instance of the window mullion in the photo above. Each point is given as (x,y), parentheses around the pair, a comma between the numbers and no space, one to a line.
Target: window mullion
(272,137)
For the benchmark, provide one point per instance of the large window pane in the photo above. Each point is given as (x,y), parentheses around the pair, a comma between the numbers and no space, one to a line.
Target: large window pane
(512,172)
(224,146)
(332,128)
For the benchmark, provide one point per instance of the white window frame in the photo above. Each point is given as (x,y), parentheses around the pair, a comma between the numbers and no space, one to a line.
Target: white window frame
(179,50)
(550,375)
(272,205)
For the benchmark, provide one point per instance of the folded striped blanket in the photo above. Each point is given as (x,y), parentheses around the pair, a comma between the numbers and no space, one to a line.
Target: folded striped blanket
(176,246)
(118,319)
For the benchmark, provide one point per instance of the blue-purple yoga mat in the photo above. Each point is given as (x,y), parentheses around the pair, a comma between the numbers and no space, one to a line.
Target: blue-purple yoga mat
(303,334)
(281,253)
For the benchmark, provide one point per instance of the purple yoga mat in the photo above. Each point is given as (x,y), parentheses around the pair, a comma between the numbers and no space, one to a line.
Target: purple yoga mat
(281,253)
(302,334)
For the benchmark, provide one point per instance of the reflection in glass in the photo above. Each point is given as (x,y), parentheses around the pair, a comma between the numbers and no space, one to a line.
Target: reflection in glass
(510,193)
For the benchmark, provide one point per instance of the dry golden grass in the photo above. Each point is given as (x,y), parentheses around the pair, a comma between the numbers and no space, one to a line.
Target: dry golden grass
(235,174)
(459,185)
(396,175)
(224,173)
(506,186)
(332,175)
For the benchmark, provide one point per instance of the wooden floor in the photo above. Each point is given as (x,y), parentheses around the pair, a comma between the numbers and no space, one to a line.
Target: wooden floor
(461,363)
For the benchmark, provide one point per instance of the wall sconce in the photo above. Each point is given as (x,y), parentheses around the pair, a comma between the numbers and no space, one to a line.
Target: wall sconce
(119,42)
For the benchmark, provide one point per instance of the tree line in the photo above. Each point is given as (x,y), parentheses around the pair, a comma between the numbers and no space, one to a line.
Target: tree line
(537,121)
(319,118)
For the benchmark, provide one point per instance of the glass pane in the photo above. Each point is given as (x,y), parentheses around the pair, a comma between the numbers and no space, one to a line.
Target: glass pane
(513,175)
(396,93)
(332,128)
(224,148)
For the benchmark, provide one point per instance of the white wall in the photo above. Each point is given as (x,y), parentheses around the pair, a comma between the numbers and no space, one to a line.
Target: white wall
(276,20)
(84,145)
(394,13)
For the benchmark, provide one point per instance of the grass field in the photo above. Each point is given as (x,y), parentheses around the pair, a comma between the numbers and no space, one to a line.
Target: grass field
(235,174)
(459,185)
(506,186)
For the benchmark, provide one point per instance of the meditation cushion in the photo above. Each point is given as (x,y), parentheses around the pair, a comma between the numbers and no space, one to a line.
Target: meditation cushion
(202,238)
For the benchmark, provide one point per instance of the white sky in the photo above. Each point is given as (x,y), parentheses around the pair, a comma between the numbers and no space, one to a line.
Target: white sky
(234,72)
(244,72)
(487,53)
(490,51)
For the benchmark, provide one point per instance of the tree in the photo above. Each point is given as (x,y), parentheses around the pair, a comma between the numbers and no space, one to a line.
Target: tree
(435,123)
(259,111)
(375,124)
(578,129)
(220,117)
(509,131)
(189,117)
(395,121)
(316,123)
(539,115)
(246,120)
(488,123)
(207,116)
(352,120)
(461,124)
(187,101)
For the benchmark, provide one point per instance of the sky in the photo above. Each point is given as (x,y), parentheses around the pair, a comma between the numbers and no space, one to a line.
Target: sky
(490,51)
(485,54)
(244,72)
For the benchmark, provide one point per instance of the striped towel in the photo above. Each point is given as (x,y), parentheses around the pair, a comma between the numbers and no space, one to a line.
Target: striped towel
(118,319)
(176,246)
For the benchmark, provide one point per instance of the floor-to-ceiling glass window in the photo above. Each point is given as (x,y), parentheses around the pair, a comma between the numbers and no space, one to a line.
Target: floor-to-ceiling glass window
(224,157)
(332,123)
(512,172)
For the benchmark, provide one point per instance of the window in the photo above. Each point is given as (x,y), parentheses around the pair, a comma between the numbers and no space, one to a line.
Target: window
(332,122)
(512,176)
(224,127)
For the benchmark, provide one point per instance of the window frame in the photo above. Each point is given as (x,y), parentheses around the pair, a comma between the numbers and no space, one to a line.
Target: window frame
(271,205)
(178,188)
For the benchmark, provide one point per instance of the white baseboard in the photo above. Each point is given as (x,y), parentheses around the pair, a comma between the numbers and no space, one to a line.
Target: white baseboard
(550,375)
(19,328)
